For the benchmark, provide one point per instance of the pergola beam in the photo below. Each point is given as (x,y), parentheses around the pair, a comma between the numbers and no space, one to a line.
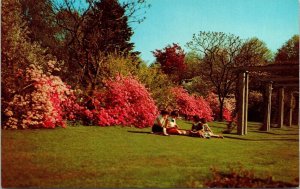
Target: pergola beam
(286,85)
(281,79)
(268,68)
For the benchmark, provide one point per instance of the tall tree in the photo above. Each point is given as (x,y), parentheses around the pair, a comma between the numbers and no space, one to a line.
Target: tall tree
(171,60)
(106,28)
(222,51)
(289,52)
(92,33)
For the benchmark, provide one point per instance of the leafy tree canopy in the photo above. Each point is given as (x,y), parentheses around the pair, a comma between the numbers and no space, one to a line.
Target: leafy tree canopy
(289,52)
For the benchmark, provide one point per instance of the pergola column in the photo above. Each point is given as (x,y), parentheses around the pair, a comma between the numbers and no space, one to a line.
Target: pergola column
(291,106)
(242,83)
(246,102)
(281,107)
(267,120)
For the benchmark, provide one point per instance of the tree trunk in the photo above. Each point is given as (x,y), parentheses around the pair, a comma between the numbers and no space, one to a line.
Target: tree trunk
(221,100)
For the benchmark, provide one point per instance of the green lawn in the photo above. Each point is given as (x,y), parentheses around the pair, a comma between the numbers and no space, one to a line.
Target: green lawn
(94,157)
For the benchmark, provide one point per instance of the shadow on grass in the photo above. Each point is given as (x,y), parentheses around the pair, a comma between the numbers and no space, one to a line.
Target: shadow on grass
(277,139)
(140,132)
(237,138)
(272,133)
(263,139)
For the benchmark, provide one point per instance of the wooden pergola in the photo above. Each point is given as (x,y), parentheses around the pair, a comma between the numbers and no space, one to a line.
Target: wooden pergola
(280,82)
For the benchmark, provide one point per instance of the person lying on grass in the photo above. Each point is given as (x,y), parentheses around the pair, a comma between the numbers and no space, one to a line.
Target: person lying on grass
(207,131)
(160,123)
(201,129)
(173,128)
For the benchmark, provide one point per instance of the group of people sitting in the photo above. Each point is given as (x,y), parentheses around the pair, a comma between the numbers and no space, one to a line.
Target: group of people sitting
(166,124)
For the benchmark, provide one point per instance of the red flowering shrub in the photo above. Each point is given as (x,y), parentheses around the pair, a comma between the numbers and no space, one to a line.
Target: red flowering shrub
(125,102)
(45,103)
(190,105)
(229,105)
(171,59)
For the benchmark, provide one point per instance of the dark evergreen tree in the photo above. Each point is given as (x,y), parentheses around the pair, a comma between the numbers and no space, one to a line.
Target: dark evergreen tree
(106,28)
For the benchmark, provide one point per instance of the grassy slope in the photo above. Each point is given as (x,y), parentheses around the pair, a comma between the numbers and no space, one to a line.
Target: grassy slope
(129,157)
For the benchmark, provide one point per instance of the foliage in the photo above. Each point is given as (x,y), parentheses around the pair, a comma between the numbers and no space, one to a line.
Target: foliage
(158,83)
(195,81)
(17,51)
(193,65)
(222,51)
(44,103)
(289,52)
(253,52)
(119,65)
(229,106)
(17,78)
(89,34)
(241,178)
(190,105)
(171,60)
(255,106)
(114,64)
(40,19)
(105,28)
(125,102)
(197,85)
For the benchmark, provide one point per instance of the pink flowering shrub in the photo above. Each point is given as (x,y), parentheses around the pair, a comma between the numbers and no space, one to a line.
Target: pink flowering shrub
(229,105)
(125,102)
(189,105)
(46,102)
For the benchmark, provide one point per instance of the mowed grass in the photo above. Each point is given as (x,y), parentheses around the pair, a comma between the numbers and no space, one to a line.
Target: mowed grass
(111,157)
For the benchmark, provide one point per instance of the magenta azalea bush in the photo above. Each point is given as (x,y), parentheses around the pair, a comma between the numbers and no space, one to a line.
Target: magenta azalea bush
(189,105)
(43,103)
(124,101)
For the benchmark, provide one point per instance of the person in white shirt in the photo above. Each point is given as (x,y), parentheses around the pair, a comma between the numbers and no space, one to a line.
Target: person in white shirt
(173,128)
(160,123)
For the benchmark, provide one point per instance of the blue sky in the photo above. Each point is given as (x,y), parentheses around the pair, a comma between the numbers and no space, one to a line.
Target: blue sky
(175,21)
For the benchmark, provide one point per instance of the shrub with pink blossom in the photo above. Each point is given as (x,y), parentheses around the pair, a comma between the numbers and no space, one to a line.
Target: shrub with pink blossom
(46,101)
(125,101)
(190,105)
(229,105)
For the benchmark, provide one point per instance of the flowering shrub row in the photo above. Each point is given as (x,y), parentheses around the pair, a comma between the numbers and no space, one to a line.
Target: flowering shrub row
(47,102)
(189,105)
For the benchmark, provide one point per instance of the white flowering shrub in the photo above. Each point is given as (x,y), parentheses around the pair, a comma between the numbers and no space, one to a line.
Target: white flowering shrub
(45,102)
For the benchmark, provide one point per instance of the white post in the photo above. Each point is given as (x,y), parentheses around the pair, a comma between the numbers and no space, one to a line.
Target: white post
(241,104)
(246,102)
